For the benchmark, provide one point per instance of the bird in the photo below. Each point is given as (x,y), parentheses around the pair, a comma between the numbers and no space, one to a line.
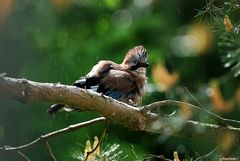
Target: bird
(125,82)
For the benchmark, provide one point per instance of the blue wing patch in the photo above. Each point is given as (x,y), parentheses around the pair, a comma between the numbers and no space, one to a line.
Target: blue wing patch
(114,94)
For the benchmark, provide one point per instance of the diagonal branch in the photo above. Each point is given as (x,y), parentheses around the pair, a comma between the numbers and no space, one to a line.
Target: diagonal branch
(207,155)
(45,137)
(159,104)
(118,112)
(23,155)
(50,151)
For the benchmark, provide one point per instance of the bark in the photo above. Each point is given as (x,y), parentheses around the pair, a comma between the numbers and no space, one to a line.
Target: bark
(131,117)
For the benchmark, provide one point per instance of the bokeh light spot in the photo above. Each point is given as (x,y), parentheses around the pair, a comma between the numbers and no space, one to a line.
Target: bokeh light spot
(196,40)
(122,19)
(142,3)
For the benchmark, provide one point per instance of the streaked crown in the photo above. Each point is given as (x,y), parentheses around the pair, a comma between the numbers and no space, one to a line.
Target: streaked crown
(136,57)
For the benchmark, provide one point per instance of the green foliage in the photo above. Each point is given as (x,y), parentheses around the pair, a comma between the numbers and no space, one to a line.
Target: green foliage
(229,45)
(216,14)
(109,152)
(60,40)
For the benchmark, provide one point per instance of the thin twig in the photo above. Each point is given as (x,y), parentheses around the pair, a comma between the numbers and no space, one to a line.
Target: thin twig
(133,151)
(150,156)
(204,109)
(158,104)
(207,155)
(23,155)
(50,151)
(100,141)
(45,137)
(194,97)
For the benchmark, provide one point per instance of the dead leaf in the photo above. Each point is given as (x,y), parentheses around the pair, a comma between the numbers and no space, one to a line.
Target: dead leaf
(227,140)
(5,10)
(228,24)
(163,78)
(95,144)
(175,155)
(185,111)
(220,104)
(88,149)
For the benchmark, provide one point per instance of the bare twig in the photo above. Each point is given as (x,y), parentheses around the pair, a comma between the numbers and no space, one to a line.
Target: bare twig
(223,120)
(133,151)
(193,97)
(159,104)
(101,139)
(151,156)
(207,155)
(45,137)
(23,155)
(50,151)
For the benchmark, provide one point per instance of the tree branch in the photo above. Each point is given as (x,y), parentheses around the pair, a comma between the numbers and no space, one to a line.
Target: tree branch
(160,157)
(23,155)
(207,155)
(50,151)
(121,113)
(159,104)
(45,137)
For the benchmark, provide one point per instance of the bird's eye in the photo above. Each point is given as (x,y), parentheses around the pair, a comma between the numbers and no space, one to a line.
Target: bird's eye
(134,61)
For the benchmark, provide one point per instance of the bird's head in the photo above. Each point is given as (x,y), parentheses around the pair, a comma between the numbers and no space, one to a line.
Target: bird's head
(136,58)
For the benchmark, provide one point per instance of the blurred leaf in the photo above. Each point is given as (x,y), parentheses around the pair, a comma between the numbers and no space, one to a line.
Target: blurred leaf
(228,24)
(163,78)
(88,149)
(5,10)
(185,111)
(219,103)
(227,141)
(95,144)
(175,155)
(203,36)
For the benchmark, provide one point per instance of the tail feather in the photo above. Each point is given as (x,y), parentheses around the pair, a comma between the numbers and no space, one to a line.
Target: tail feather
(55,108)
(85,83)
(62,107)
(81,83)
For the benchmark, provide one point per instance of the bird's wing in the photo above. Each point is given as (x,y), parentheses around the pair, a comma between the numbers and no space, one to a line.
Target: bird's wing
(92,79)
(117,81)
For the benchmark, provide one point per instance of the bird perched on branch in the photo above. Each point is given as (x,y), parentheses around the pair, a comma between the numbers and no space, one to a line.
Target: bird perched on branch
(124,82)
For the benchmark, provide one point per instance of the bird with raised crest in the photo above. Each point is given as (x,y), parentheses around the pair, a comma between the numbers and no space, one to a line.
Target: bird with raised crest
(124,82)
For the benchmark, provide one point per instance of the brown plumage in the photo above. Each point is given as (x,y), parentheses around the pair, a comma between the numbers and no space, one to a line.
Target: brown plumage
(124,82)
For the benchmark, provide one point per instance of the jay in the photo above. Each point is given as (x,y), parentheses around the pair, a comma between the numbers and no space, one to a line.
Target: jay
(124,82)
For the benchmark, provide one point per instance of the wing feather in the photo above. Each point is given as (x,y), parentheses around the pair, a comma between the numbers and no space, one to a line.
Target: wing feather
(117,80)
